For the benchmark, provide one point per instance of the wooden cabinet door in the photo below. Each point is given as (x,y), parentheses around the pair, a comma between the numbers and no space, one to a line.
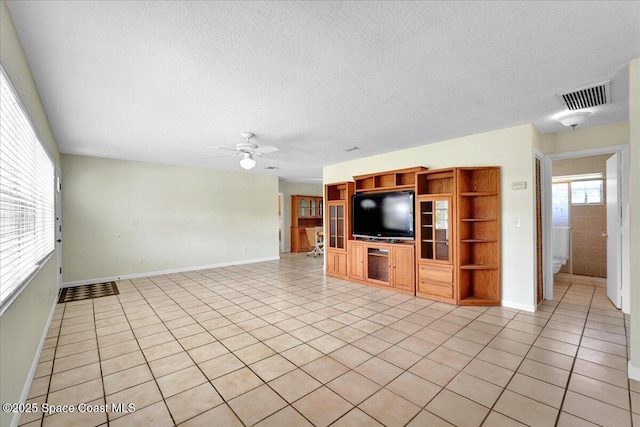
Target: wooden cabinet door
(337,263)
(402,265)
(355,260)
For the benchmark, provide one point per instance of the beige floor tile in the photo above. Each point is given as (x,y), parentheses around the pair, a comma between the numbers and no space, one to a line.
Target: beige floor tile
(282,342)
(325,369)
(77,418)
(193,402)
(400,357)
(389,408)
(448,357)
(371,344)
(257,404)
(197,340)
(221,415)
(295,384)
(414,388)
(510,346)
(75,376)
(180,381)
(207,352)
(568,420)
(390,335)
(602,358)
(547,373)
(156,415)
(327,344)
(500,358)
(115,350)
(350,356)
(302,354)
(220,366)
(236,383)
(287,417)
(75,361)
(476,389)
(433,371)
(348,334)
(356,418)
(85,392)
(496,419)
(169,364)
(353,387)
(120,363)
(162,350)
(379,371)
(272,367)
(426,418)
(595,411)
(141,396)
(525,410)
(322,406)
(126,378)
(599,390)
(456,409)
(77,337)
(75,348)
(537,390)
(552,358)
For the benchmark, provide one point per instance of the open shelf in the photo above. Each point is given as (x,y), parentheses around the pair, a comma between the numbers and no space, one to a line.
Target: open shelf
(395,180)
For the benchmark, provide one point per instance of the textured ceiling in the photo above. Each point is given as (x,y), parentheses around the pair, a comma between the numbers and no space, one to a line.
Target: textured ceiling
(162,81)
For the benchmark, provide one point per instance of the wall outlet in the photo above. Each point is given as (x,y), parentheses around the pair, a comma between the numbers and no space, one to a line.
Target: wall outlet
(141,260)
(135,222)
(244,249)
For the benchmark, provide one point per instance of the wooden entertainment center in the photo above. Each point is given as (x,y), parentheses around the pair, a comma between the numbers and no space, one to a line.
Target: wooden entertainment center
(455,256)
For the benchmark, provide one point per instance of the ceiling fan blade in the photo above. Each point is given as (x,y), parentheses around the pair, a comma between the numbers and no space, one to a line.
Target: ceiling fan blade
(220,155)
(267,149)
(222,148)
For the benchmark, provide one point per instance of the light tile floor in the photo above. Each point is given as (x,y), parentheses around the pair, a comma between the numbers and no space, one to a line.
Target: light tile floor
(279,344)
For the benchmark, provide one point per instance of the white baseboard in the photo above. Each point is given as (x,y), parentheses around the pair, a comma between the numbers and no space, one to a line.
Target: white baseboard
(518,306)
(633,372)
(161,272)
(34,364)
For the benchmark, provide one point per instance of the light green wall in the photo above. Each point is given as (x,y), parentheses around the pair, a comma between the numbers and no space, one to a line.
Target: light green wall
(23,324)
(634,205)
(125,218)
(289,189)
(512,150)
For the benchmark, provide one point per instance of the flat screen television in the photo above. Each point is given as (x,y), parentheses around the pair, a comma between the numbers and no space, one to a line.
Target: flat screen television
(383,215)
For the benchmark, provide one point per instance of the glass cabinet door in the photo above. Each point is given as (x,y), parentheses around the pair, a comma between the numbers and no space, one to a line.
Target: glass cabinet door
(312,208)
(442,230)
(435,230)
(303,207)
(336,226)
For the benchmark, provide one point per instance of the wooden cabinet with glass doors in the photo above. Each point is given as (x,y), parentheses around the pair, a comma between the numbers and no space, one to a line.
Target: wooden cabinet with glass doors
(435,235)
(306,211)
(338,227)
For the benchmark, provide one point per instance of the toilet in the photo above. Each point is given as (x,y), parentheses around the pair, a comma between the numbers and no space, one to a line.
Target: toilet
(560,247)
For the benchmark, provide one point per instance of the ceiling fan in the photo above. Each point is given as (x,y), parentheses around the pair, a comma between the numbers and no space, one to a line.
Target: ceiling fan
(248,150)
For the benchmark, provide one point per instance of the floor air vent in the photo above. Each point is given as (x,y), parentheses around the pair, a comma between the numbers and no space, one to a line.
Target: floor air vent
(590,96)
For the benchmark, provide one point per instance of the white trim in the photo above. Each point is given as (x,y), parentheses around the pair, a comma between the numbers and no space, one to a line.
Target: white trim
(633,372)
(518,306)
(34,364)
(18,291)
(626,243)
(161,272)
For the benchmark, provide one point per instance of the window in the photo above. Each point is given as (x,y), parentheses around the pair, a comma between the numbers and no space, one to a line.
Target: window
(586,192)
(27,224)
(560,201)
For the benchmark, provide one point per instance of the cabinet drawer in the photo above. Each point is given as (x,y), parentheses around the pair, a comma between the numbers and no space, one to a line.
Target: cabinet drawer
(430,273)
(436,288)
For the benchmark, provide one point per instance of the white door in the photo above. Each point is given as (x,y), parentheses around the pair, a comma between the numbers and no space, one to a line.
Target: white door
(58,234)
(614,249)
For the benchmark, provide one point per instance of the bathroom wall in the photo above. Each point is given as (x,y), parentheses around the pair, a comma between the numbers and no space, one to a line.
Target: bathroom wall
(588,255)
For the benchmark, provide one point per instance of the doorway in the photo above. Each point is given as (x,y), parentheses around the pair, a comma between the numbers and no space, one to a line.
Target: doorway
(576,200)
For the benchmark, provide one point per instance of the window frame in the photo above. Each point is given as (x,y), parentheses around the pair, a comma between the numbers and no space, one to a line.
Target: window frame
(17,290)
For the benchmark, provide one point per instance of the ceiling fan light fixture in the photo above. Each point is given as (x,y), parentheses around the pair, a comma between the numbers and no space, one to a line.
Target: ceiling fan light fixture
(247,162)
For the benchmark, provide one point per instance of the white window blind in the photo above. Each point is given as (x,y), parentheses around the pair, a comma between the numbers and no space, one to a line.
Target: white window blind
(27,224)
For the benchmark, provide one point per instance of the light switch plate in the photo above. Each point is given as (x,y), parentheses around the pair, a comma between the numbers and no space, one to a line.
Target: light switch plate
(520,185)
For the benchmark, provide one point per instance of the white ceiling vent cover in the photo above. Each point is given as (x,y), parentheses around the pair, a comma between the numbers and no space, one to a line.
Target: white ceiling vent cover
(589,96)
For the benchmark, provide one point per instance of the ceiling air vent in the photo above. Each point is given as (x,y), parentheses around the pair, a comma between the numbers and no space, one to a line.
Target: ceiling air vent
(590,96)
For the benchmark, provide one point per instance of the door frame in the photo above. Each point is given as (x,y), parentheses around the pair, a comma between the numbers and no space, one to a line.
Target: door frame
(546,267)
(623,150)
(58,222)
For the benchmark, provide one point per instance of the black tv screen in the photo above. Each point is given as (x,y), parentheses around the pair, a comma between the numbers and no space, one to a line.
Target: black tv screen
(383,215)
